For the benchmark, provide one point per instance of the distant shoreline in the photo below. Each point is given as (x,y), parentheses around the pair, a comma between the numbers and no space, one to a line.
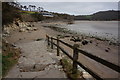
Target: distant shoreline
(96,20)
(56,27)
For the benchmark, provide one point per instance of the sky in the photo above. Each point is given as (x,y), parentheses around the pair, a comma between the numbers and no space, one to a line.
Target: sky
(75,8)
(68,0)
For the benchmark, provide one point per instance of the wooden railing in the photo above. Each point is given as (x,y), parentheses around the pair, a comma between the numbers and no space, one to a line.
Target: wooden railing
(75,57)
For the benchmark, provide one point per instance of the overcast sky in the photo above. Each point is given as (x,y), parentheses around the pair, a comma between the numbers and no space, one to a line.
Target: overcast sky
(75,8)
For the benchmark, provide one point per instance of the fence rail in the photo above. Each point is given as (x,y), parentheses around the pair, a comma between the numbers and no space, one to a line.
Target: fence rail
(75,57)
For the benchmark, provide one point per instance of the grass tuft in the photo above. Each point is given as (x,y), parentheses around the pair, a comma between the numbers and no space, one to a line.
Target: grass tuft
(67,67)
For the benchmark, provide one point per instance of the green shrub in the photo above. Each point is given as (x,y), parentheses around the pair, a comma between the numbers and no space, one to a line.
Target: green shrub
(7,63)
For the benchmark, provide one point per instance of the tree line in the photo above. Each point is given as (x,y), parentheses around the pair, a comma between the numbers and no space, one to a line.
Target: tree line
(11,11)
(27,8)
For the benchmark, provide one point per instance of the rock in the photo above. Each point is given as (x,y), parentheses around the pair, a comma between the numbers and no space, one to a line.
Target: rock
(106,50)
(90,41)
(56,66)
(5,35)
(39,39)
(29,25)
(35,29)
(6,31)
(51,66)
(26,64)
(78,39)
(60,67)
(75,39)
(84,42)
(33,25)
(17,23)
(67,36)
(20,39)
(13,45)
(39,67)
(22,30)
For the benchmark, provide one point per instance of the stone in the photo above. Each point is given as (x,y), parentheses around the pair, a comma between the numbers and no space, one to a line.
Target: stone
(26,64)
(90,41)
(5,35)
(29,25)
(75,39)
(29,28)
(6,31)
(17,23)
(22,30)
(13,45)
(106,50)
(84,42)
(35,29)
(39,39)
(39,67)
(59,67)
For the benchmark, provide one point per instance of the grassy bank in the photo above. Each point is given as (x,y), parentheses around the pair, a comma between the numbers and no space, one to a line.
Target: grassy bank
(10,57)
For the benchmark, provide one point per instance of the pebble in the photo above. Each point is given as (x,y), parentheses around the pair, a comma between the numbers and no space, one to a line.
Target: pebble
(106,50)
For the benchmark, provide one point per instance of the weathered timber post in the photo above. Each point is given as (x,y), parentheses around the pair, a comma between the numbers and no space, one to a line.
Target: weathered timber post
(51,43)
(48,42)
(75,58)
(58,51)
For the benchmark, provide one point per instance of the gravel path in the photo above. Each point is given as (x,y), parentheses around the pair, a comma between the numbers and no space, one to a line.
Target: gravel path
(36,62)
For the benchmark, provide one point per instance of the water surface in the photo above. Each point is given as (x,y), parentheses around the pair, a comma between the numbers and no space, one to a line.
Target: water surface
(105,29)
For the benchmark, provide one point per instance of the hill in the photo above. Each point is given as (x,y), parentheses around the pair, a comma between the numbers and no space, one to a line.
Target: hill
(102,15)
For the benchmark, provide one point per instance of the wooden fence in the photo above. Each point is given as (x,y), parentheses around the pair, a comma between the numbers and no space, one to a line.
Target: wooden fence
(110,65)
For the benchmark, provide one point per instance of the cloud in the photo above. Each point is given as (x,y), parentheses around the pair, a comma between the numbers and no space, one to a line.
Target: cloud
(75,8)
(68,0)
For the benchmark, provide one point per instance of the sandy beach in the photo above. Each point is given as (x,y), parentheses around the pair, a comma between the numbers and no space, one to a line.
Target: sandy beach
(97,47)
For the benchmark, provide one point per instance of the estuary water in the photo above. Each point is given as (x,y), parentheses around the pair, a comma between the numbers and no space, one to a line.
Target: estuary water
(103,29)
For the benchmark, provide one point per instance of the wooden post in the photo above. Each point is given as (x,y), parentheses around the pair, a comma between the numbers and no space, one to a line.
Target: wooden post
(58,51)
(51,43)
(75,58)
(48,42)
